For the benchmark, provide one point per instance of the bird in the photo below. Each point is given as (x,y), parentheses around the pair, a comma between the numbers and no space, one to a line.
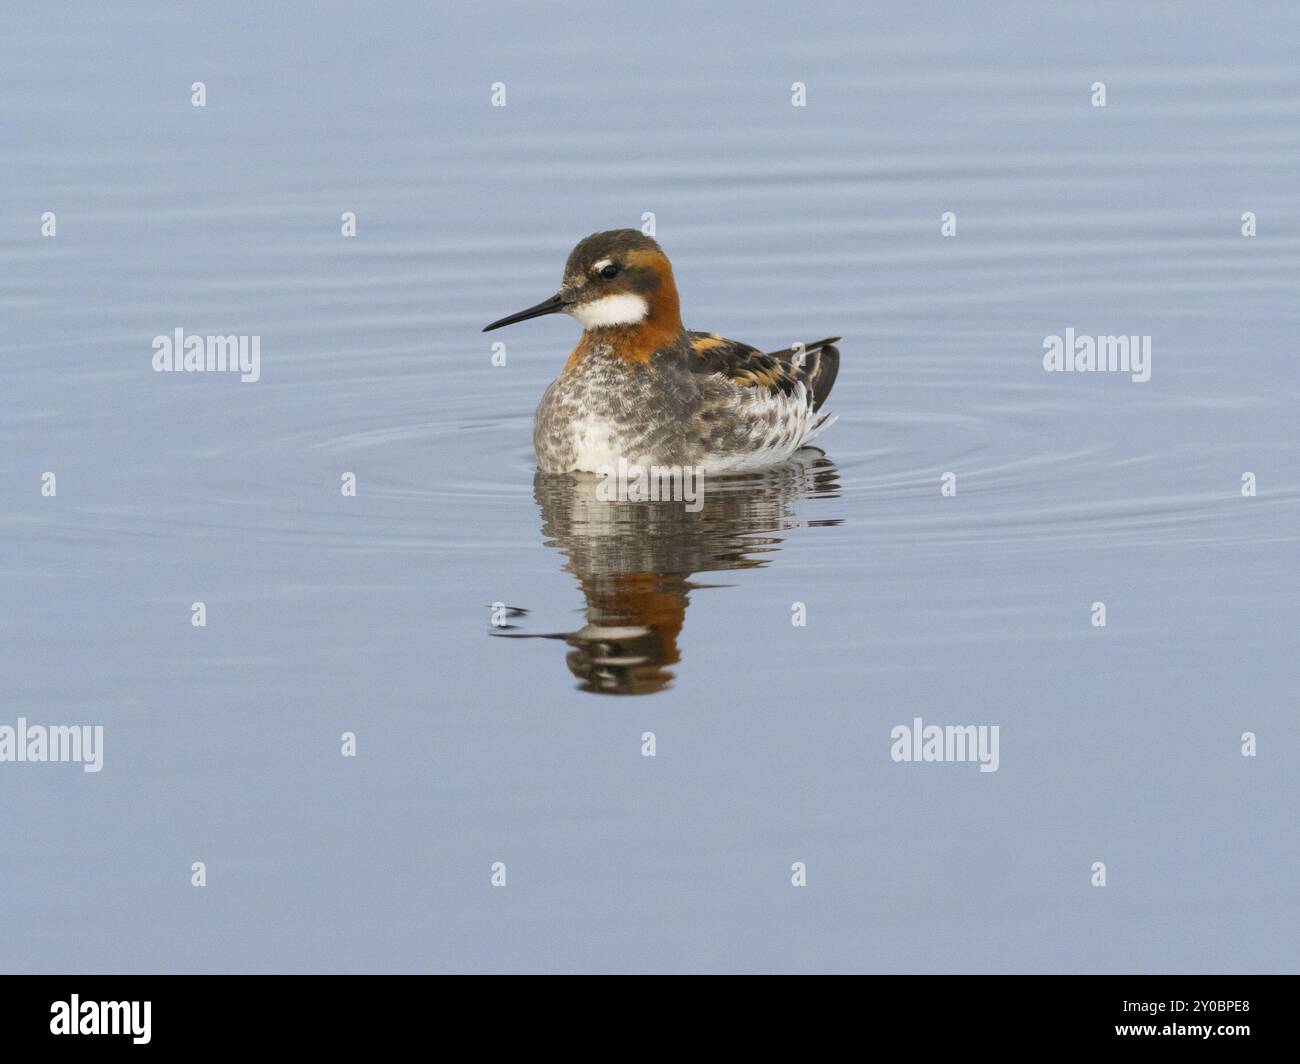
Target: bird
(642,389)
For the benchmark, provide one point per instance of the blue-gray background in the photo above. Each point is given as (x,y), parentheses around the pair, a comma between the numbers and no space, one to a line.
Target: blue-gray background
(328,614)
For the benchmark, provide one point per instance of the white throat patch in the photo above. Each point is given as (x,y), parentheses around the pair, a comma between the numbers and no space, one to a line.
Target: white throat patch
(625,309)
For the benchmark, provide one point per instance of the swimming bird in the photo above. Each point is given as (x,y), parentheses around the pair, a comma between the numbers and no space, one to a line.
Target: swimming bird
(642,388)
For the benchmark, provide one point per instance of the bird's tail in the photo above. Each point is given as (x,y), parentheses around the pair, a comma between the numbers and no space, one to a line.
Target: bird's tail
(819,364)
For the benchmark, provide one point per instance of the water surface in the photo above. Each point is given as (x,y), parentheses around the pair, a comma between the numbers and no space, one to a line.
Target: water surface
(372,614)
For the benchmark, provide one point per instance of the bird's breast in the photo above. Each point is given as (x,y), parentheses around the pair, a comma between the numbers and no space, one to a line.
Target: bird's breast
(602,410)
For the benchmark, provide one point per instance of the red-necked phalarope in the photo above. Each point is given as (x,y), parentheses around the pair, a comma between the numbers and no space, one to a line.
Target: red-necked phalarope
(641,388)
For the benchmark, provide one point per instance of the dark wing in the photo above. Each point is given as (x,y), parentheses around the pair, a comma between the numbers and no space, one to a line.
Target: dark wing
(776,371)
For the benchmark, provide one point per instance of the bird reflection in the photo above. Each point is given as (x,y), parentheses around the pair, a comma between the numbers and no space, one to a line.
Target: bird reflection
(634,560)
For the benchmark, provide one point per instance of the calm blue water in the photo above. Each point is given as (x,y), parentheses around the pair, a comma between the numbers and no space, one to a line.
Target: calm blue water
(371,614)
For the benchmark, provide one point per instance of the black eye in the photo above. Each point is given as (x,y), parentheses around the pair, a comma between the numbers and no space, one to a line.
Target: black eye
(609,271)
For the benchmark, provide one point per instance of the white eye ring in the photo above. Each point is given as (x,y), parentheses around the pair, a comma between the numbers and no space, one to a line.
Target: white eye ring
(601,265)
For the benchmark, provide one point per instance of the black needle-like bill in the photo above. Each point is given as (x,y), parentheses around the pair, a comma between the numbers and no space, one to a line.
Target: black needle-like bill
(547,306)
